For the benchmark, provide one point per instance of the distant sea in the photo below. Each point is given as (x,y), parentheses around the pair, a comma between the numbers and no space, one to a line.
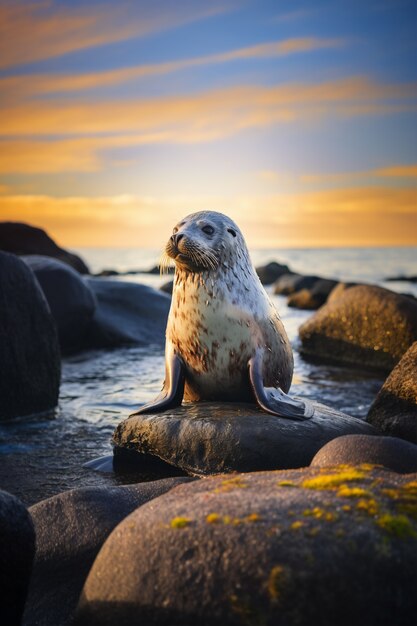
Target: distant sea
(41,457)
(371,265)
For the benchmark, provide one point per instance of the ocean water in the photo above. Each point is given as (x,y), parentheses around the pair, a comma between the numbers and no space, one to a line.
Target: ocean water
(40,457)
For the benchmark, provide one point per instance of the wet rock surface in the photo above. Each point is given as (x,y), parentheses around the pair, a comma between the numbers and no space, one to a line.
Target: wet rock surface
(314,297)
(394,410)
(17,549)
(127,313)
(291,283)
(30,357)
(168,287)
(70,530)
(71,301)
(270,272)
(23,239)
(365,325)
(391,452)
(270,548)
(209,438)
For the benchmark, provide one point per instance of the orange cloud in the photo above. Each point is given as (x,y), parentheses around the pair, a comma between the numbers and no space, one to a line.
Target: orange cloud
(351,216)
(207,115)
(398,171)
(392,171)
(13,87)
(33,31)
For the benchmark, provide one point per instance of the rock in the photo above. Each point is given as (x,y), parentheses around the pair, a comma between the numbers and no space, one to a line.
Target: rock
(17,549)
(394,410)
(102,464)
(23,239)
(105,273)
(157,270)
(291,548)
(366,326)
(312,298)
(402,278)
(70,529)
(339,289)
(71,301)
(291,283)
(127,313)
(209,438)
(269,273)
(30,363)
(168,287)
(391,452)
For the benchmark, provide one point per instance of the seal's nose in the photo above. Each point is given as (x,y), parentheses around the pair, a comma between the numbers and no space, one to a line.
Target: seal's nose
(176,238)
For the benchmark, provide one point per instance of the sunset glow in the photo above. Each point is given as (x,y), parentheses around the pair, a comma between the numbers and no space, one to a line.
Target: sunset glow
(297,120)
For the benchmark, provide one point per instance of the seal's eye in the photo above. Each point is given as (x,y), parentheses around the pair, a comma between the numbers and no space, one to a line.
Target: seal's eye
(231,231)
(209,230)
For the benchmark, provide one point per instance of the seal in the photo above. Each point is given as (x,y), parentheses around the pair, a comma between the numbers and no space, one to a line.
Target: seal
(224,338)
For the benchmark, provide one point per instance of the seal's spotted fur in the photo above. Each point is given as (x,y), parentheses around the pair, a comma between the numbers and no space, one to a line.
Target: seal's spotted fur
(220,313)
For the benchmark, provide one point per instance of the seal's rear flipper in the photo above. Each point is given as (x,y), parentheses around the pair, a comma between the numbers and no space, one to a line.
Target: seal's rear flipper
(275,401)
(173,391)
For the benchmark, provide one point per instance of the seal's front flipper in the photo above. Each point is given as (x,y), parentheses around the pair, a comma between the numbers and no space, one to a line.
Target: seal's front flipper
(275,401)
(173,391)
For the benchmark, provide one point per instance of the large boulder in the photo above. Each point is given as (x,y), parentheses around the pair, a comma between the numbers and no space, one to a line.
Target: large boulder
(71,301)
(394,410)
(270,272)
(390,452)
(339,289)
(291,283)
(209,438)
(314,297)
(70,530)
(23,239)
(17,549)
(291,548)
(127,313)
(364,326)
(30,358)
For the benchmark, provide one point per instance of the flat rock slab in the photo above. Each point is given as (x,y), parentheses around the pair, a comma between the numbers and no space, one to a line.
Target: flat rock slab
(211,438)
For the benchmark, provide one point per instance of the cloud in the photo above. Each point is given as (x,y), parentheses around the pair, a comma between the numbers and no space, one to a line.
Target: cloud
(398,171)
(15,87)
(59,136)
(350,216)
(208,115)
(391,171)
(34,31)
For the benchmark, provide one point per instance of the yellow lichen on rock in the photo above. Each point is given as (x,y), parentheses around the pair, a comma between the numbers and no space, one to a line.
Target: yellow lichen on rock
(331,481)
(179,522)
(228,484)
(369,506)
(345,491)
(276,582)
(318,513)
(397,525)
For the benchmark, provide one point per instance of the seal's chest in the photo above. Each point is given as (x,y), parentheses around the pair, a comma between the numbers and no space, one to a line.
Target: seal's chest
(211,338)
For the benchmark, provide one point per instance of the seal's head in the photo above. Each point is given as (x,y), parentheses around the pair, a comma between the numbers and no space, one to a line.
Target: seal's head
(203,241)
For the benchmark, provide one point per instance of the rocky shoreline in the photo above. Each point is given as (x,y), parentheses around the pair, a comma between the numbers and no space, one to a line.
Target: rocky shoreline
(258,547)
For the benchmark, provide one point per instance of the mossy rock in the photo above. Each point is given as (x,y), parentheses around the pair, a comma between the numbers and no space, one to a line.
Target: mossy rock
(281,548)
(394,410)
(364,326)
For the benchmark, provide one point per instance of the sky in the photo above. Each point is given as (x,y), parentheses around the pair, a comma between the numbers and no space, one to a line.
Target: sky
(296,119)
